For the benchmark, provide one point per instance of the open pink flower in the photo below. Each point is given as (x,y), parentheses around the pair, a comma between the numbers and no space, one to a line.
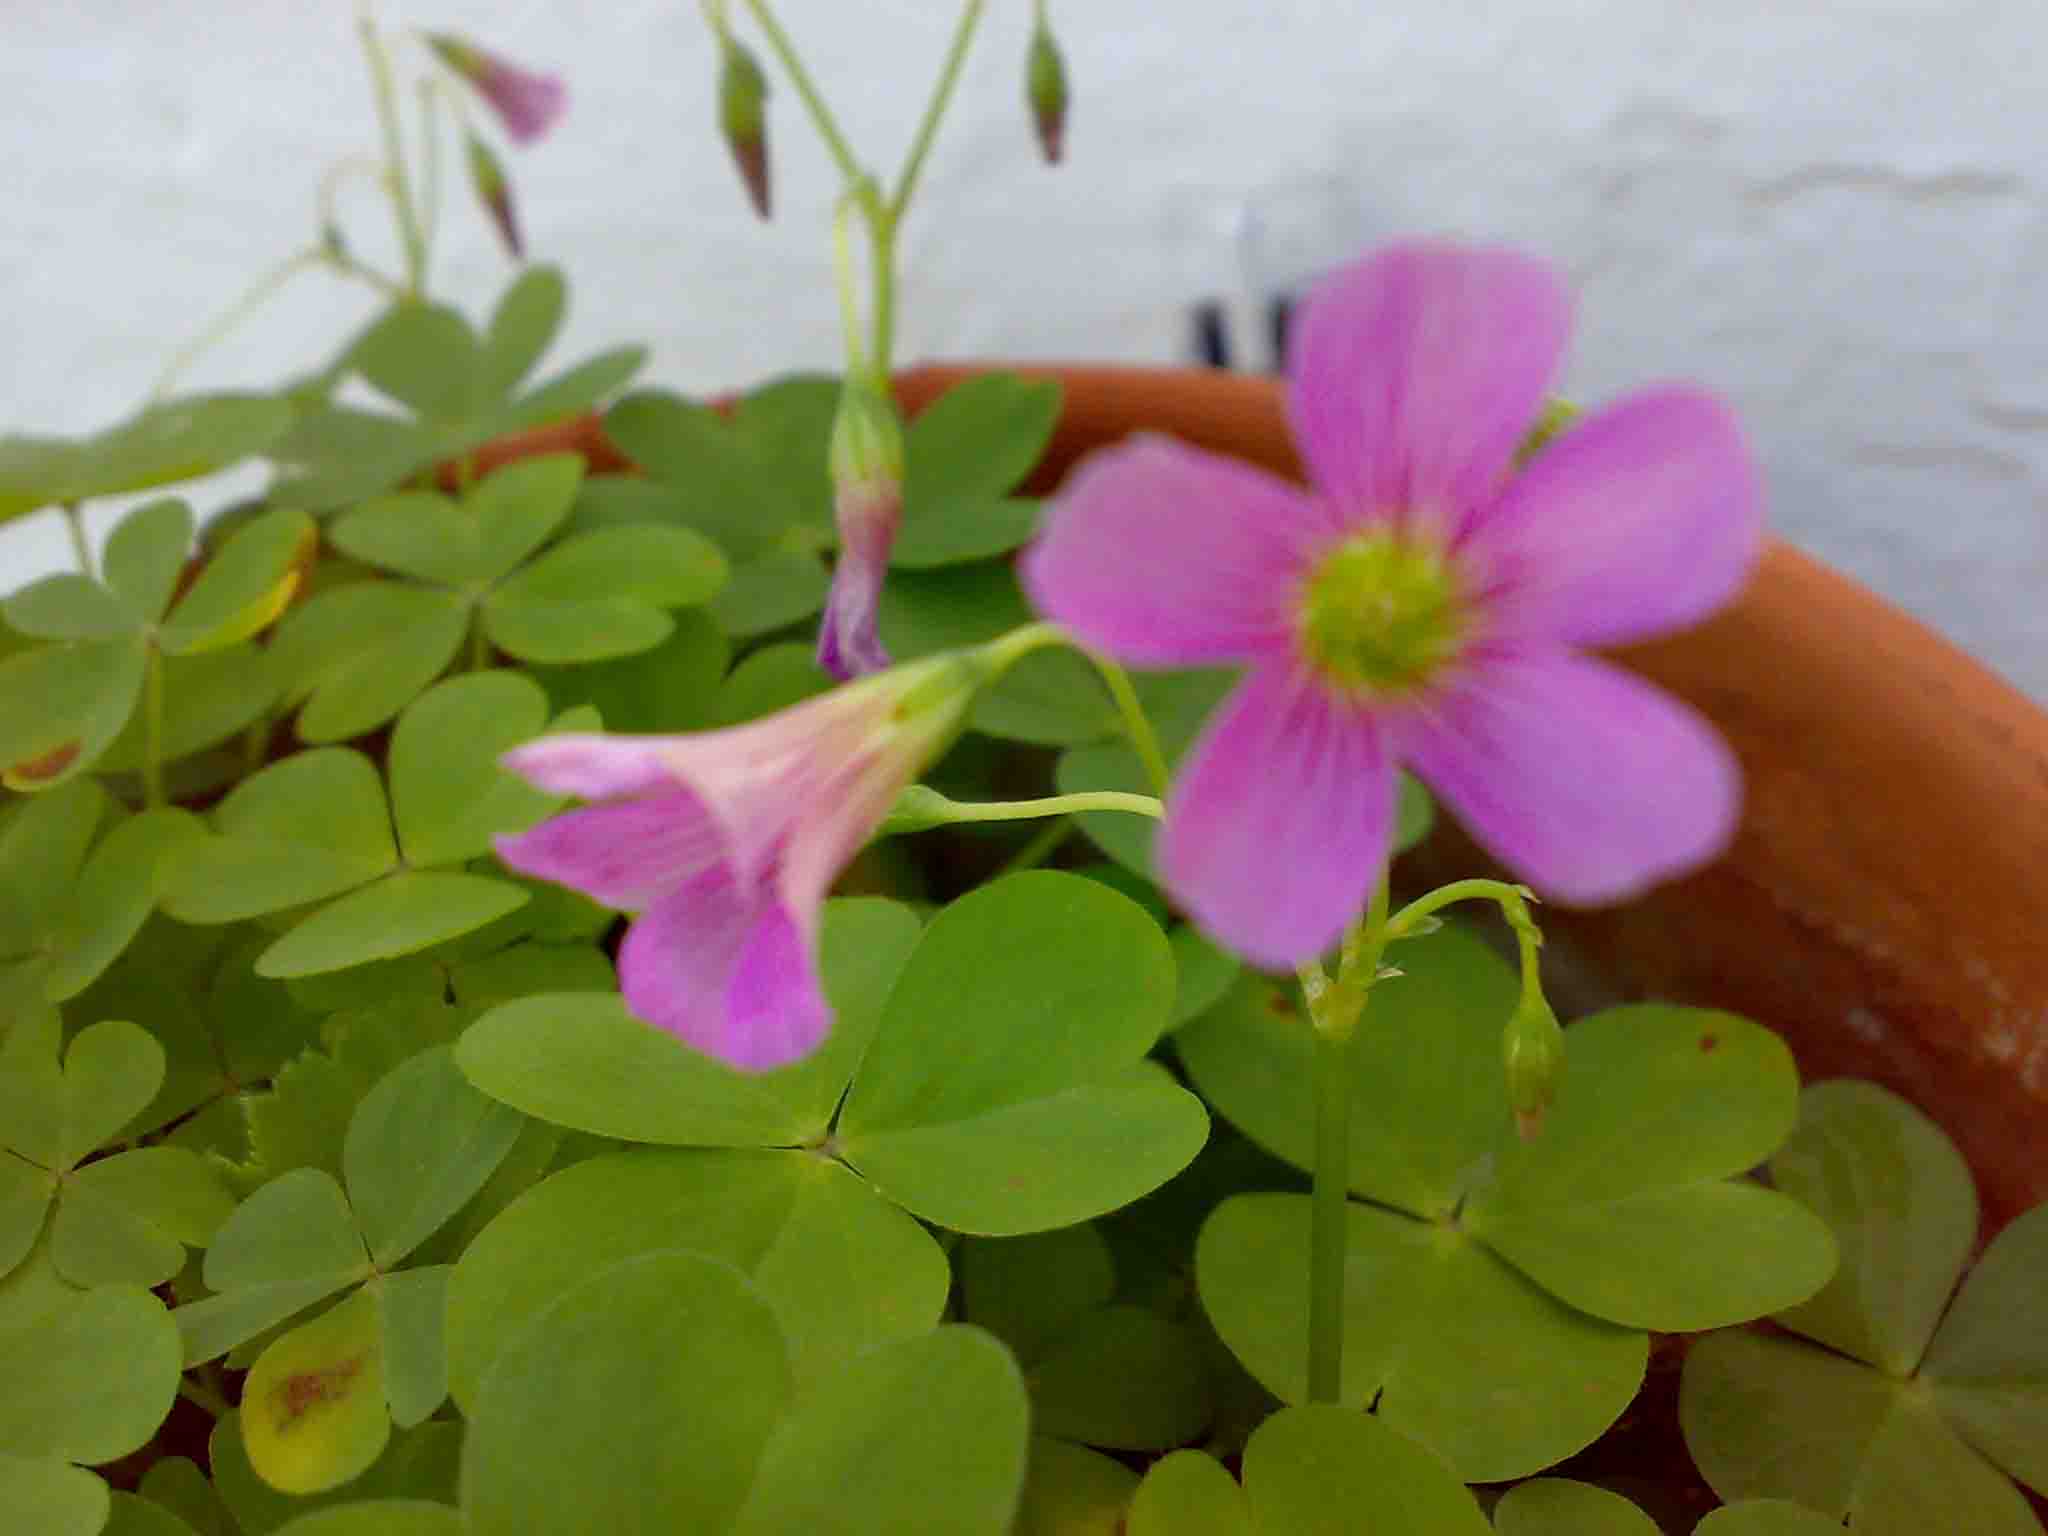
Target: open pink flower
(1424,603)
(527,103)
(726,843)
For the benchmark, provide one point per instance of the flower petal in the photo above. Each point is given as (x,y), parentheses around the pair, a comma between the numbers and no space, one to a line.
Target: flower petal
(1280,821)
(1414,374)
(627,854)
(1586,781)
(1163,555)
(726,970)
(1641,520)
(592,765)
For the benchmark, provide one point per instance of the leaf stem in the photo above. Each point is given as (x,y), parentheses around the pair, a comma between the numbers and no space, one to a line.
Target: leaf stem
(397,178)
(1334,1009)
(81,543)
(1137,725)
(153,727)
(814,103)
(935,109)
(258,293)
(1057,805)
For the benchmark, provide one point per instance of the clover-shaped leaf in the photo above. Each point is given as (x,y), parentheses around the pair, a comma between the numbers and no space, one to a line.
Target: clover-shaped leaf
(1627,1206)
(673,686)
(79,693)
(90,1375)
(595,1416)
(1309,1471)
(124,1219)
(321,1398)
(751,480)
(461,391)
(1042,1113)
(1453,1346)
(172,440)
(1897,1430)
(1559,1506)
(317,827)
(1100,1372)
(67,913)
(419,1467)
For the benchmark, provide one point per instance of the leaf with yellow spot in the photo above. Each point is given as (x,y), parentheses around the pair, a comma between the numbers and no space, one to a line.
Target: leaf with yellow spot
(313,1411)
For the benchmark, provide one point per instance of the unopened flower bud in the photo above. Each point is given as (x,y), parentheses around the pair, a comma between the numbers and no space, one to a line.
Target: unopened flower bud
(1045,90)
(487,176)
(1532,1049)
(743,119)
(866,464)
(527,103)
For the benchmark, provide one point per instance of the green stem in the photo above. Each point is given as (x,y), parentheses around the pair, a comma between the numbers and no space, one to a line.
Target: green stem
(81,543)
(204,1396)
(1513,901)
(1057,805)
(821,115)
(153,728)
(935,109)
(1328,1223)
(1005,651)
(479,646)
(258,294)
(397,178)
(1334,1011)
(1038,848)
(1137,726)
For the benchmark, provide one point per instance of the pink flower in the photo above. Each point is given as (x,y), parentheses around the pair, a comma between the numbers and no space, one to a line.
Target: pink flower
(527,103)
(726,843)
(1424,604)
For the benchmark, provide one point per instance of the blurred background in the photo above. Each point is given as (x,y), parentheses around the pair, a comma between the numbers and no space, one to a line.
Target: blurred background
(1833,211)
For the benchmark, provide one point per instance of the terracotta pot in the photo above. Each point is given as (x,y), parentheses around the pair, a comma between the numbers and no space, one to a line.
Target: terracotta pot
(1885,903)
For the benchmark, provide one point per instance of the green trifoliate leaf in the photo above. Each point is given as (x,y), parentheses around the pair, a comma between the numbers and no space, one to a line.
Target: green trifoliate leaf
(842,1269)
(54,1117)
(952,1459)
(1010,1128)
(1902,1205)
(1454,1346)
(1989,1362)
(583,1061)
(62,706)
(417,1464)
(595,1417)
(128,1219)
(976,442)
(307,827)
(290,1244)
(358,654)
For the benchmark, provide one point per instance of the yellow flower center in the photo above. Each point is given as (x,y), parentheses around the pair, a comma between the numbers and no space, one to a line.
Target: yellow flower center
(1380,615)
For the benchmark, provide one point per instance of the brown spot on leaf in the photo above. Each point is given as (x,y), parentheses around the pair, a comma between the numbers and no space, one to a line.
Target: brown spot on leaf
(303,1391)
(1280,1005)
(31,771)
(1709,1043)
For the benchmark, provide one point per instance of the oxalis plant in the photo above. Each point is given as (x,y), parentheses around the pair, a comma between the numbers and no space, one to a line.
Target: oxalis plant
(709,1000)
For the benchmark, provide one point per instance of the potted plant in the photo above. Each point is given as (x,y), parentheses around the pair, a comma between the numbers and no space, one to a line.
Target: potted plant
(535,1003)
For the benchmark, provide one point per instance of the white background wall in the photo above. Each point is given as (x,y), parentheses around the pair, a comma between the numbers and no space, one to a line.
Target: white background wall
(1836,211)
